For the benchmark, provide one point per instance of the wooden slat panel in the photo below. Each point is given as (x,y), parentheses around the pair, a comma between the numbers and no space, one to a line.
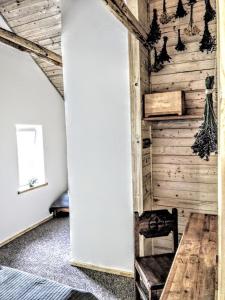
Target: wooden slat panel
(180,178)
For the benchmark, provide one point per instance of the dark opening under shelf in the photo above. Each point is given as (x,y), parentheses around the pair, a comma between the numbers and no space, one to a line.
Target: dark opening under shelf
(167,118)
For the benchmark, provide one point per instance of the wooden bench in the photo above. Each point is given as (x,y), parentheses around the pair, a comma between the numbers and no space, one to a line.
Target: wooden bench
(194,270)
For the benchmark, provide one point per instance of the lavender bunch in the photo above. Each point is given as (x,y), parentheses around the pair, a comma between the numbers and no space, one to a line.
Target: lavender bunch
(206,138)
(180,44)
(208,42)
(180,12)
(165,17)
(210,13)
(163,55)
(155,32)
(157,65)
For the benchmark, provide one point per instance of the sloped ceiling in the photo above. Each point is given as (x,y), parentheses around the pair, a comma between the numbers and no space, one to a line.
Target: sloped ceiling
(40,22)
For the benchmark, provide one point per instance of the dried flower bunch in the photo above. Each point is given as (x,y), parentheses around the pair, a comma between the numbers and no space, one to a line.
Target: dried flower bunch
(206,138)
(165,18)
(208,42)
(155,32)
(210,13)
(157,66)
(163,55)
(192,2)
(181,12)
(192,29)
(180,44)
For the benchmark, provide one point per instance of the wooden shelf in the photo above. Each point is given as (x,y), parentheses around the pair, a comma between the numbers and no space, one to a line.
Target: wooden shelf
(168,118)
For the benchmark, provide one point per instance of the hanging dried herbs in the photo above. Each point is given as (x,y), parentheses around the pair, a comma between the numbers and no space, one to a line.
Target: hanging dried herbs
(180,45)
(165,18)
(164,56)
(208,42)
(157,66)
(210,13)
(206,138)
(192,29)
(155,32)
(191,2)
(181,12)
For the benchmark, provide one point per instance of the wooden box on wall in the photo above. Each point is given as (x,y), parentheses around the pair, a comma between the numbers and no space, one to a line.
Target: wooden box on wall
(168,103)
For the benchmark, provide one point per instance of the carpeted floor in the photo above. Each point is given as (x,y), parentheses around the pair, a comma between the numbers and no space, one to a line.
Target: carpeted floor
(45,251)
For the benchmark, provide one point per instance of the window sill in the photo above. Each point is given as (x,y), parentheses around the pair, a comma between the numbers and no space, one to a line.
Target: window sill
(27,188)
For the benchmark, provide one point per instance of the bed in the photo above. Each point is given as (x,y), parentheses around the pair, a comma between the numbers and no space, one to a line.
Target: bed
(18,285)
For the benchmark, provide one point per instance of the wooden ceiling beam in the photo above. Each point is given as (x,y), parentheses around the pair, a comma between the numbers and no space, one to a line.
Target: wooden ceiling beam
(18,42)
(120,9)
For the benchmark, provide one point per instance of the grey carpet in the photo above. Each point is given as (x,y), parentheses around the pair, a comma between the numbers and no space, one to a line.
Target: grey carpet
(45,251)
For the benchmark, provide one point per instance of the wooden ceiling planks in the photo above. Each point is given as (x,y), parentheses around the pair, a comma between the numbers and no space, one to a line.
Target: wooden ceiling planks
(38,21)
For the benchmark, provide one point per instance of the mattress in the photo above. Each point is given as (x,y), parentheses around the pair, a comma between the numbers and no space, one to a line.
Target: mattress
(18,285)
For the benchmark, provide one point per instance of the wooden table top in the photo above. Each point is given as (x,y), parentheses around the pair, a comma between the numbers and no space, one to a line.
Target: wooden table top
(193,275)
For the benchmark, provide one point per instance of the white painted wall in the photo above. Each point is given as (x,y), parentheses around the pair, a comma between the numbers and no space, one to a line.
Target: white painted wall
(27,97)
(96,76)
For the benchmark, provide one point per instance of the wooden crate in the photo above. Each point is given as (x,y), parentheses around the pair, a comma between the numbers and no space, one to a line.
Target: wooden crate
(168,103)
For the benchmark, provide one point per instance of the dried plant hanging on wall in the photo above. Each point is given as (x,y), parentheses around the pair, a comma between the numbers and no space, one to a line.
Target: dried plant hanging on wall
(155,32)
(164,56)
(165,18)
(192,29)
(210,13)
(208,42)
(192,2)
(181,12)
(206,138)
(180,44)
(157,66)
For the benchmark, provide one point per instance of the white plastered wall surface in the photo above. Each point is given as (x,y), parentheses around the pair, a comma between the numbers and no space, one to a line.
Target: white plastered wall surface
(27,97)
(96,79)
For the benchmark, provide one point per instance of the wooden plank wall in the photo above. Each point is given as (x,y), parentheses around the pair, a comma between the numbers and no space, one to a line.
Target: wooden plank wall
(181,179)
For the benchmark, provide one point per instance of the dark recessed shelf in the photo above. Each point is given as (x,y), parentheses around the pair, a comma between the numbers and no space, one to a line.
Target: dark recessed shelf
(168,118)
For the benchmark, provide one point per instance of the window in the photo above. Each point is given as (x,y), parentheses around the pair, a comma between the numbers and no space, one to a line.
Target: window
(30,156)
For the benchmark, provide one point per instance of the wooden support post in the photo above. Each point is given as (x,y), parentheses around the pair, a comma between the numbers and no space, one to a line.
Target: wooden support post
(221,158)
(125,16)
(18,42)
(139,85)
(140,130)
